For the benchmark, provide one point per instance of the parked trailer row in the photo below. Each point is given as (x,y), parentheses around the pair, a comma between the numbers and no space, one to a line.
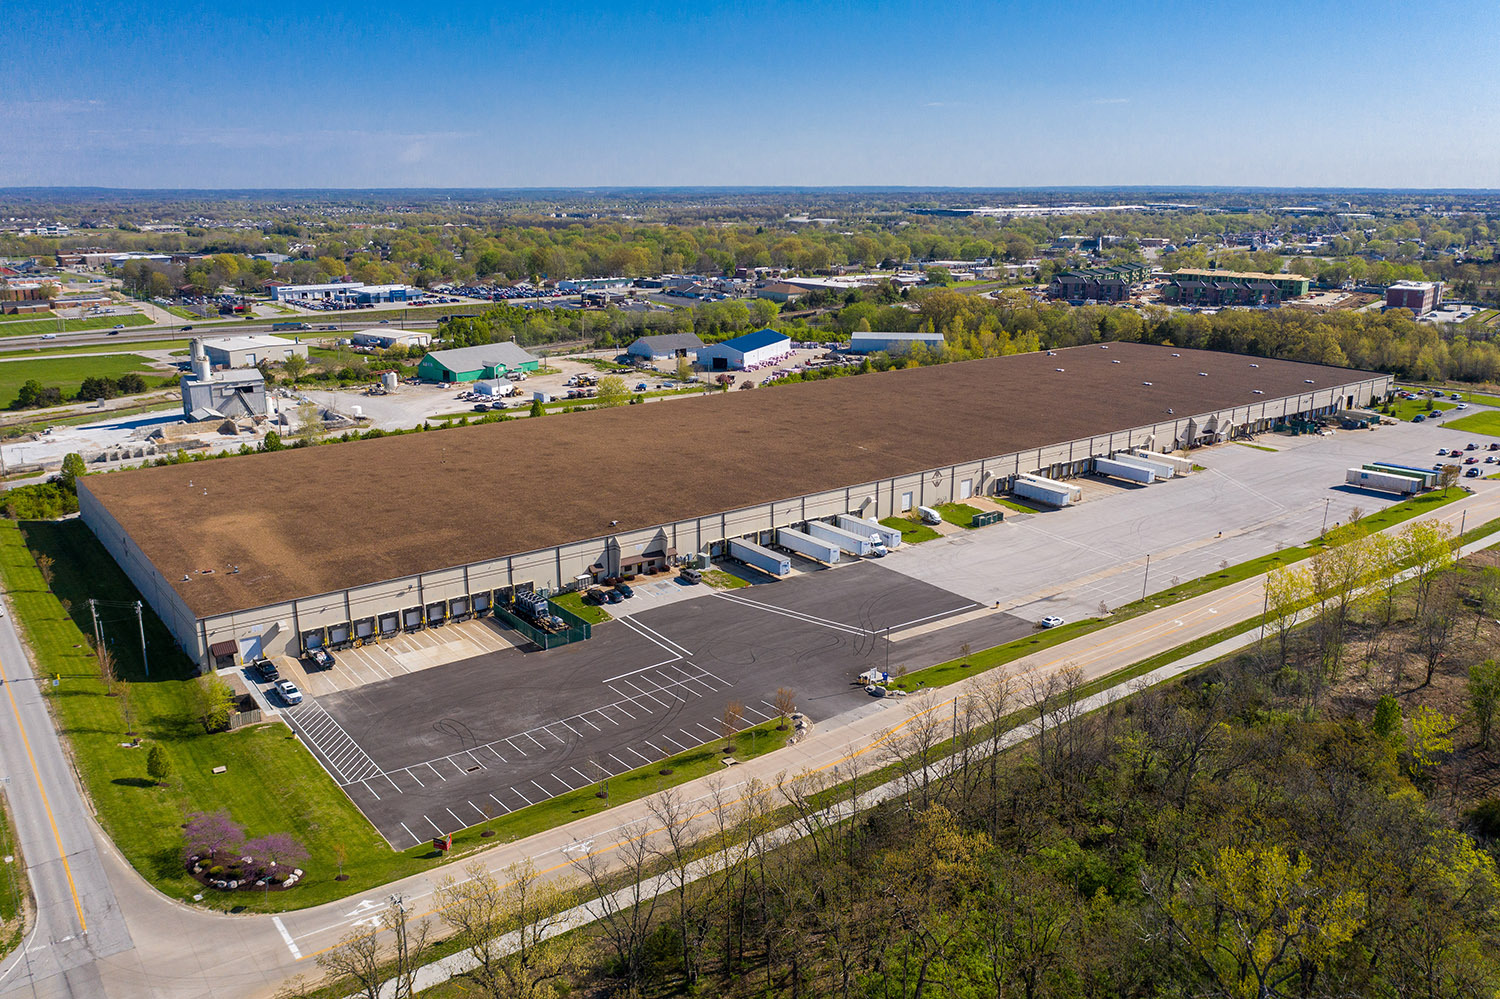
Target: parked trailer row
(889,536)
(1161,471)
(1120,469)
(1076,492)
(1428,476)
(855,544)
(806,544)
(1390,482)
(760,558)
(1045,492)
(1179,466)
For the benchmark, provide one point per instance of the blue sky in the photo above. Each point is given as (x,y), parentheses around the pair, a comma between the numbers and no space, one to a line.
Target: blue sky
(311,94)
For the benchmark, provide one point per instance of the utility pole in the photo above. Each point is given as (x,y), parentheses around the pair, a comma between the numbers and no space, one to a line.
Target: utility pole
(1325,516)
(98,636)
(140,624)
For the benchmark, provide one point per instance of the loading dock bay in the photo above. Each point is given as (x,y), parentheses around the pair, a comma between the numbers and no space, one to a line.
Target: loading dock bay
(432,752)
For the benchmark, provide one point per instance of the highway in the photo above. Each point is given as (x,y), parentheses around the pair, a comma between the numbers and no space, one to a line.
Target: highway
(122,940)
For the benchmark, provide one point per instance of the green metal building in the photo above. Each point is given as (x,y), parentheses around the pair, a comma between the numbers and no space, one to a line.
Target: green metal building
(472,364)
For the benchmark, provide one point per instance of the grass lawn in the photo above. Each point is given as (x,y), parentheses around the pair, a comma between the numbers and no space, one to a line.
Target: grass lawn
(17,353)
(1477,423)
(721,580)
(38,326)
(1011,504)
(272,785)
(13,888)
(589,612)
(67,372)
(1257,447)
(36,317)
(956,669)
(1405,409)
(960,514)
(913,531)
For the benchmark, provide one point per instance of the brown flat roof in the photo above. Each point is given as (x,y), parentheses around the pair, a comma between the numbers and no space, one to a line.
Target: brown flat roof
(1243,275)
(320,519)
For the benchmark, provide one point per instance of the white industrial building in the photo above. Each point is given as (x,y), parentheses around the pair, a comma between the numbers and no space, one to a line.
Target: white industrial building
(248,351)
(387,338)
(892,343)
(748,351)
(354,292)
(666,346)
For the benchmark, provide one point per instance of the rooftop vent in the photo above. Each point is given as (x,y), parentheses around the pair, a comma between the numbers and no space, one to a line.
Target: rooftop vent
(1104,346)
(1146,384)
(1309,381)
(1257,391)
(1203,374)
(1058,369)
(1254,365)
(1176,355)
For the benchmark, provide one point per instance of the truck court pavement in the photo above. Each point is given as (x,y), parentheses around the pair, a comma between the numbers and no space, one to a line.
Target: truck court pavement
(431,753)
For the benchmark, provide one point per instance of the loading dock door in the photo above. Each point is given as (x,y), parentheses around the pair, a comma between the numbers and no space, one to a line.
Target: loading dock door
(481,602)
(965,488)
(313,639)
(411,619)
(339,634)
(458,608)
(364,629)
(437,613)
(390,624)
(250,649)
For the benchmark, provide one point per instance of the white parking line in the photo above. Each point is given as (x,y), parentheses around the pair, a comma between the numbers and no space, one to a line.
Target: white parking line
(501,804)
(492,749)
(563,782)
(663,735)
(479,810)
(539,787)
(370,789)
(621,762)
(455,817)
(435,770)
(434,825)
(414,776)
(511,742)
(586,778)
(534,739)
(523,797)
(410,833)
(642,755)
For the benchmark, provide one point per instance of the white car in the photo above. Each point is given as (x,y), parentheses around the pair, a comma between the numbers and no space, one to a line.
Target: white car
(49,336)
(1051,621)
(288,691)
(1462,405)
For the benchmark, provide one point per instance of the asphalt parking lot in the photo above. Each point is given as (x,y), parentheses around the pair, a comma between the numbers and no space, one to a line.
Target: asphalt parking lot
(1245,504)
(429,753)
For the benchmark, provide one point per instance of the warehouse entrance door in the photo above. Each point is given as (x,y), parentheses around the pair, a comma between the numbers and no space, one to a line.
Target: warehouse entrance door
(250,649)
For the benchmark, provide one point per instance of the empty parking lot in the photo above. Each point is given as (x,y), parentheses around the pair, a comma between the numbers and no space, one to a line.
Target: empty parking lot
(431,752)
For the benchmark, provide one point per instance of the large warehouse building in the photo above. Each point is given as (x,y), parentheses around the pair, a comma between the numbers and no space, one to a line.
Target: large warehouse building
(239,551)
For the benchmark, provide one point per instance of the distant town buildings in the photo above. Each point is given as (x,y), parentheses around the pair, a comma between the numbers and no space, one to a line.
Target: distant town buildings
(1421,297)
(1099,284)
(349,292)
(1215,288)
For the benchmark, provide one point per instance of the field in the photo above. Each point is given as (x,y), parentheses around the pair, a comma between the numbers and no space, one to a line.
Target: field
(67,372)
(34,327)
(133,347)
(1477,423)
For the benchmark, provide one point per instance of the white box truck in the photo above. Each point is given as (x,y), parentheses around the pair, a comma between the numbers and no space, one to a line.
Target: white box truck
(889,537)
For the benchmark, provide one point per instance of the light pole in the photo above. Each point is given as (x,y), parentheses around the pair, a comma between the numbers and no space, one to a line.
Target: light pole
(1146,577)
(1326,502)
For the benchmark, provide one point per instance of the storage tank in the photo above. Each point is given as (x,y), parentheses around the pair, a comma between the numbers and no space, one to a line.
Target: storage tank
(359,412)
(201,369)
(388,381)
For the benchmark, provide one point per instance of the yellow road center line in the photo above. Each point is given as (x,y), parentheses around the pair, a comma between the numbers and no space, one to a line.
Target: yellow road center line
(83,925)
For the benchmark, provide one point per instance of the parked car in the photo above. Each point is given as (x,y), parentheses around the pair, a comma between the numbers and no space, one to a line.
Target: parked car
(1419,418)
(321,658)
(1051,621)
(1462,405)
(614,596)
(691,575)
(481,407)
(874,690)
(624,590)
(1471,461)
(187,329)
(266,670)
(288,692)
(1471,446)
(1472,473)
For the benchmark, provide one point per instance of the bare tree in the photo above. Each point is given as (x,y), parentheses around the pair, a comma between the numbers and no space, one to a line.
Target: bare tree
(994,695)
(623,903)
(1436,624)
(508,929)
(106,660)
(674,848)
(911,747)
(786,703)
(356,958)
(730,723)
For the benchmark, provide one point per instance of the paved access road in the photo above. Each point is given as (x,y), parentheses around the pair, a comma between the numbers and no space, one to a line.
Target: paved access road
(186,954)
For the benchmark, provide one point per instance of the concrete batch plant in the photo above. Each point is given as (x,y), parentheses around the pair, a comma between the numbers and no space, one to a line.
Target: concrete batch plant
(238,553)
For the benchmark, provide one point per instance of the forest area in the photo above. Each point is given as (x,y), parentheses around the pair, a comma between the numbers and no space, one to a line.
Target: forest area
(1314,817)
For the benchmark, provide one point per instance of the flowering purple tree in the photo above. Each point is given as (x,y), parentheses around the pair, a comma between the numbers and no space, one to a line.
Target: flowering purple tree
(211,833)
(276,850)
